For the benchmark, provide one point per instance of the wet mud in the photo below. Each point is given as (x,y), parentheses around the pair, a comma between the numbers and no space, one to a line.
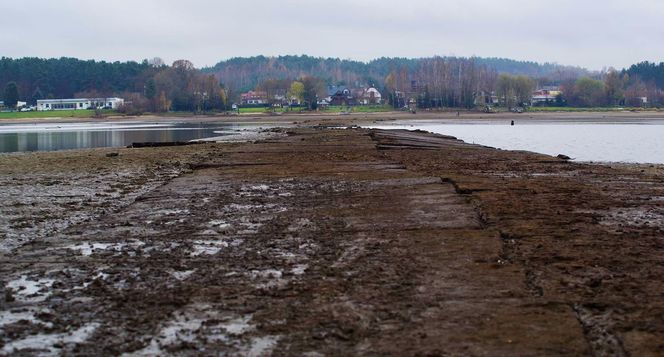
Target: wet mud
(329,242)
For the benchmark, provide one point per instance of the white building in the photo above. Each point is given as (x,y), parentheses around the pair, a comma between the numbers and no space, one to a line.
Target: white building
(79,104)
(371,96)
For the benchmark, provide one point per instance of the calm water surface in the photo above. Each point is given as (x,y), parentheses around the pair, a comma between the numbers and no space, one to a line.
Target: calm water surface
(633,141)
(63,136)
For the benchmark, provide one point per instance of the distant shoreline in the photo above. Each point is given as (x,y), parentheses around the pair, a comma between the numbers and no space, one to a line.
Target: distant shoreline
(353,118)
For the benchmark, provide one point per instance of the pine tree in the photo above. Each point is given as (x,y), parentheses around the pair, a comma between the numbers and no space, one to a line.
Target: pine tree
(11,95)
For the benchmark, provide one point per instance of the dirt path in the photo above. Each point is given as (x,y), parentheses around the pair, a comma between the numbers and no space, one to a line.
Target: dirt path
(338,242)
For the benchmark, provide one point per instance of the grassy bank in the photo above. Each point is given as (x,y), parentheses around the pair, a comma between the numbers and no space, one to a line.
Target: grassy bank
(359,109)
(594,109)
(260,110)
(330,109)
(52,114)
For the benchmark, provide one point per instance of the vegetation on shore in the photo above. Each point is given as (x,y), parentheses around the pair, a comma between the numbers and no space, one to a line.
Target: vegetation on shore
(589,109)
(55,114)
(436,82)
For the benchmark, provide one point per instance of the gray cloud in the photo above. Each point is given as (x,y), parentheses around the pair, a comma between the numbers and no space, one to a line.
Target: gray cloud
(586,33)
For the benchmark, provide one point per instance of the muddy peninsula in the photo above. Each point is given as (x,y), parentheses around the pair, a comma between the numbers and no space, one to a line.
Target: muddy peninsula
(326,241)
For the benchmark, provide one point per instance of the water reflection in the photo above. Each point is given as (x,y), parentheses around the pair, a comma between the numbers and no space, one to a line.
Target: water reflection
(19,138)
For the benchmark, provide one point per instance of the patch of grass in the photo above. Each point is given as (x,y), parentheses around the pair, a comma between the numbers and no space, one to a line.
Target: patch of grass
(268,110)
(594,109)
(330,109)
(359,109)
(253,110)
(52,114)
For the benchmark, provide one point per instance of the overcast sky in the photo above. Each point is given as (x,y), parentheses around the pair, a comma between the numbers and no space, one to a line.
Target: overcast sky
(591,34)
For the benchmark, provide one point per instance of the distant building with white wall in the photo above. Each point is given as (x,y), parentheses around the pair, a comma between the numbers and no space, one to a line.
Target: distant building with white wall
(79,103)
(371,96)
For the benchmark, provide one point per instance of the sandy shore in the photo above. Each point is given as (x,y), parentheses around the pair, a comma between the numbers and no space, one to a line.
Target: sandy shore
(329,242)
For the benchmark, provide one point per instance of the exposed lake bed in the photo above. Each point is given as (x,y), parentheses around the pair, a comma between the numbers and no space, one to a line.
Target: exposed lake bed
(352,241)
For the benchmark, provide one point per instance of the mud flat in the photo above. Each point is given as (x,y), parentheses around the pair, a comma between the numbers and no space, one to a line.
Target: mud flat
(329,242)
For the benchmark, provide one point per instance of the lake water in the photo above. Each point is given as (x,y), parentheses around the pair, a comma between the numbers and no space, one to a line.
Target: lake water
(64,136)
(630,141)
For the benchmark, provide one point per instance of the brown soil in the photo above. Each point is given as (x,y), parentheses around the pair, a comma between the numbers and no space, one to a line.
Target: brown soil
(329,242)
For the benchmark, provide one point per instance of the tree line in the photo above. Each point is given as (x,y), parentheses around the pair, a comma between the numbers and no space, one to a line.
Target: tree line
(248,72)
(153,86)
(146,86)
(38,78)
(637,86)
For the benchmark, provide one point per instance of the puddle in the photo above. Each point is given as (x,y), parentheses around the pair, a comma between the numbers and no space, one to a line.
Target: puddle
(27,290)
(266,274)
(299,269)
(256,188)
(11,317)
(198,324)
(262,346)
(46,344)
(254,191)
(238,326)
(251,226)
(183,275)
(219,224)
(181,329)
(273,277)
(87,249)
(208,232)
(208,247)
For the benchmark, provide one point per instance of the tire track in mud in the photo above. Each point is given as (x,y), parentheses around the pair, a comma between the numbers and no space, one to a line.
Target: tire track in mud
(322,242)
(586,236)
(197,261)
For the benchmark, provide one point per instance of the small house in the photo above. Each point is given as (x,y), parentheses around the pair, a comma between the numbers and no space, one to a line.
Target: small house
(254,98)
(340,95)
(371,96)
(544,96)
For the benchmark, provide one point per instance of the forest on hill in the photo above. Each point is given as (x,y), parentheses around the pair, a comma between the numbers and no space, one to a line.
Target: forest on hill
(151,85)
(247,72)
(648,73)
(39,78)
